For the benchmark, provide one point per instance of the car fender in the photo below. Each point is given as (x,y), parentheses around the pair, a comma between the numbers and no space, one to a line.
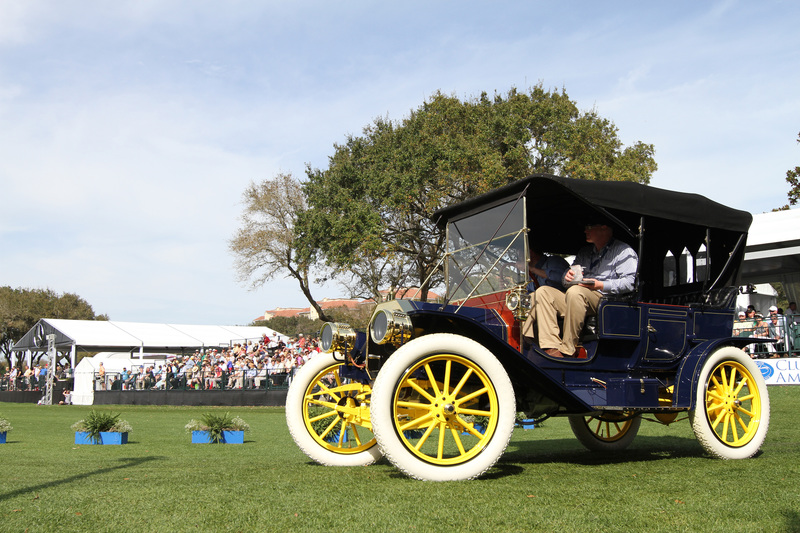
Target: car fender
(689,372)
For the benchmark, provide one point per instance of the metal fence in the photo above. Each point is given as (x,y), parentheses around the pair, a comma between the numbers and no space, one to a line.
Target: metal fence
(200,381)
(21,383)
(784,336)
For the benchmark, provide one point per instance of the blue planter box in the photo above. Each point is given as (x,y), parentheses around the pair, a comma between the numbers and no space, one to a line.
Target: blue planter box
(106,437)
(333,437)
(228,437)
(3,437)
(527,423)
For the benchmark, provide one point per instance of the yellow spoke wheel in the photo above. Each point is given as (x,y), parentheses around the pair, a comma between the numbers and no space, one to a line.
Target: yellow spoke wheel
(731,414)
(732,402)
(438,406)
(328,415)
(336,412)
(443,408)
(607,431)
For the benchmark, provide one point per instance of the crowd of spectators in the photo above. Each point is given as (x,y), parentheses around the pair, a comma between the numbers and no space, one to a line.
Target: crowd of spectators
(263,364)
(32,378)
(777,327)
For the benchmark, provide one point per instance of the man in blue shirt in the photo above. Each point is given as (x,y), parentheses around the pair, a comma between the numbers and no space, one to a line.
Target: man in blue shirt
(608,267)
(42,375)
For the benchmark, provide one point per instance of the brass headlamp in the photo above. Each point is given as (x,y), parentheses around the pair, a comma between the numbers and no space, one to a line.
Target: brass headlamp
(518,302)
(390,326)
(337,336)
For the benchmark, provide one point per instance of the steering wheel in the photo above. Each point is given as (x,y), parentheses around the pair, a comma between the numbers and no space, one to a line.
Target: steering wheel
(509,275)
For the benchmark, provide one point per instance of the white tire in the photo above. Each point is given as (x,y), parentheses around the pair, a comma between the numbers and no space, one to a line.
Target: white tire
(731,413)
(605,433)
(424,401)
(328,417)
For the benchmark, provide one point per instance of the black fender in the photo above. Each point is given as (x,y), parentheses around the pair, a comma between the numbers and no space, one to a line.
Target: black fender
(685,393)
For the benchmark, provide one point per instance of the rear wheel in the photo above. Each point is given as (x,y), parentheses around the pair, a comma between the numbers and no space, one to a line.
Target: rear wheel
(606,432)
(328,416)
(428,402)
(731,414)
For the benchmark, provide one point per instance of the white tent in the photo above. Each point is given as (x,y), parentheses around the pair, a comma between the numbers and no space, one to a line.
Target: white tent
(135,337)
(113,362)
(107,335)
(773,251)
(762,297)
(133,343)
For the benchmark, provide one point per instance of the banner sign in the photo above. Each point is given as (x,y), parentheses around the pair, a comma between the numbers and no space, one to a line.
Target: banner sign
(783,371)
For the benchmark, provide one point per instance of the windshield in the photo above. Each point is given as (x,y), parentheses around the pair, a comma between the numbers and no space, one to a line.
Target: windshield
(486,252)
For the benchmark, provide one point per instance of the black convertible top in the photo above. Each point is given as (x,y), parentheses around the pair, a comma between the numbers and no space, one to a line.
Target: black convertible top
(610,195)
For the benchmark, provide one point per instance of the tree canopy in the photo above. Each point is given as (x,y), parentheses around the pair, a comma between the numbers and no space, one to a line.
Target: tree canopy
(20,309)
(367,214)
(265,245)
(793,179)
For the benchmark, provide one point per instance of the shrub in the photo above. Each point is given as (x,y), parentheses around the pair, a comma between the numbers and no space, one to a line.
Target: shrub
(215,424)
(97,422)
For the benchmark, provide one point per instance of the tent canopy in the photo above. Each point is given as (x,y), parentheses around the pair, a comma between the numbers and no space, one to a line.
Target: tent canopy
(773,251)
(112,336)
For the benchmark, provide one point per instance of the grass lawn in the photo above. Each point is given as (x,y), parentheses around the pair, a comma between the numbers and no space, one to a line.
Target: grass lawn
(545,482)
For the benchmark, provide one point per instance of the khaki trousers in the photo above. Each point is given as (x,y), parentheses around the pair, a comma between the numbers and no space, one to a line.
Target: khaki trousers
(574,305)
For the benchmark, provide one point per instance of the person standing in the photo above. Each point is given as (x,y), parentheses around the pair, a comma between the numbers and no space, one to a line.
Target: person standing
(12,378)
(776,331)
(124,378)
(101,376)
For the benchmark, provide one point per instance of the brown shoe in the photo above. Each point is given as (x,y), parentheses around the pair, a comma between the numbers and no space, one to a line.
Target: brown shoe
(552,352)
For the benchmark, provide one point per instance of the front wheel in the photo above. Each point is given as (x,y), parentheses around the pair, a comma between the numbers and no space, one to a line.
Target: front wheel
(731,414)
(443,408)
(606,432)
(328,415)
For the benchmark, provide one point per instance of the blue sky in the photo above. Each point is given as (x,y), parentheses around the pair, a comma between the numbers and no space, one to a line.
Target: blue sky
(130,129)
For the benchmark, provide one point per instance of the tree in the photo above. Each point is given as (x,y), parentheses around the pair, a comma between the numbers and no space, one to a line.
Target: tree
(368,212)
(793,179)
(20,309)
(265,244)
(292,326)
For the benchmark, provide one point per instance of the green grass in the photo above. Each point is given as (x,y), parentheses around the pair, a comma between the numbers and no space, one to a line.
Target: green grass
(545,482)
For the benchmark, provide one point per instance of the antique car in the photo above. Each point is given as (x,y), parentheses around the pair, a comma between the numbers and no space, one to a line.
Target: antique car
(437,387)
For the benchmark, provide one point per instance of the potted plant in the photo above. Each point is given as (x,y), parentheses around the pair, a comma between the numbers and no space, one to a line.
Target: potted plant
(525,422)
(478,422)
(101,428)
(320,424)
(5,427)
(217,429)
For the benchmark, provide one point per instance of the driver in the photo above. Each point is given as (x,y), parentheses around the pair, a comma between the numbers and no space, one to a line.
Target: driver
(609,267)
